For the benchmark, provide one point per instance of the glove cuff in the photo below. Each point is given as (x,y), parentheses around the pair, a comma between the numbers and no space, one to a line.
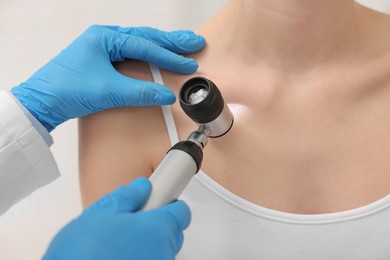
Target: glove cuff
(38,109)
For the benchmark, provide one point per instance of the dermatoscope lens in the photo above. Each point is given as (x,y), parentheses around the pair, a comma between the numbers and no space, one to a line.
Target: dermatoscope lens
(197,96)
(202,101)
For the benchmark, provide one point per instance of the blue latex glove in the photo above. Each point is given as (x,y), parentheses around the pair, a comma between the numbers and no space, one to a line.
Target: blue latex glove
(113,229)
(82,80)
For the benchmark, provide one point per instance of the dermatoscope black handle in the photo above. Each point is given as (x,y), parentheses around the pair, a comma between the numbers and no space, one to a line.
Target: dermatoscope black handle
(202,101)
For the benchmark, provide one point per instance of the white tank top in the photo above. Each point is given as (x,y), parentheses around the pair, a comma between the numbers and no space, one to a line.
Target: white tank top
(226,227)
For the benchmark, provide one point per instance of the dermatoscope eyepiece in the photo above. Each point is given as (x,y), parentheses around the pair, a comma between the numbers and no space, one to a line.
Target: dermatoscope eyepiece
(202,101)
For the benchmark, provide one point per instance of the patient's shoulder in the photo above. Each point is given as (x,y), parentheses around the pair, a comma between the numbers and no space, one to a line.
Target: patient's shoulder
(132,131)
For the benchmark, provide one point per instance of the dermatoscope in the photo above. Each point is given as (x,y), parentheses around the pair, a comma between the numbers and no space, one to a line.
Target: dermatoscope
(202,101)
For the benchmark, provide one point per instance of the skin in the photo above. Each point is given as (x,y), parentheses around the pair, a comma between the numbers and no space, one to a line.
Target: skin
(309,85)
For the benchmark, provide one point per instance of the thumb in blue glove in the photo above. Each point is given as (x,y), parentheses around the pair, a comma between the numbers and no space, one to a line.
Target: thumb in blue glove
(82,80)
(113,229)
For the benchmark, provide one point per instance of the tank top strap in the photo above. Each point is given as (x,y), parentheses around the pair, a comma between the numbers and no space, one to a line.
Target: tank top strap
(167,112)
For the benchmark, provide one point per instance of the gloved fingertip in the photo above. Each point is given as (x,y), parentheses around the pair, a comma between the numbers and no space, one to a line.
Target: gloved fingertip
(191,66)
(165,99)
(127,198)
(142,184)
(181,65)
(185,209)
(186,66)
(200,42)
(181,212)
(188,40)
(163,96)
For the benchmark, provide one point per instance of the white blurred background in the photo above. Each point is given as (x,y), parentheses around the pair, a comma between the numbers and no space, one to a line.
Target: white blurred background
(32,32)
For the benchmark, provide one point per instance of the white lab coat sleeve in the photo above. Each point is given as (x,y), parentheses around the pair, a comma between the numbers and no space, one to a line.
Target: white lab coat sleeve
(26,162)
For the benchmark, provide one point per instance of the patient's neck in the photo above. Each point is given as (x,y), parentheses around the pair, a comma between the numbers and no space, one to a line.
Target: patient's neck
(292,35)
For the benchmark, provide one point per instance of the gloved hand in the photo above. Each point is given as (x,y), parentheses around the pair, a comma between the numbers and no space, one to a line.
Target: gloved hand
(113,229)
(82,80)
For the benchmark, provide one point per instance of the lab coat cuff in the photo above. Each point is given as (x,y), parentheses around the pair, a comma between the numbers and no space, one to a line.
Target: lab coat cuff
(38,126)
